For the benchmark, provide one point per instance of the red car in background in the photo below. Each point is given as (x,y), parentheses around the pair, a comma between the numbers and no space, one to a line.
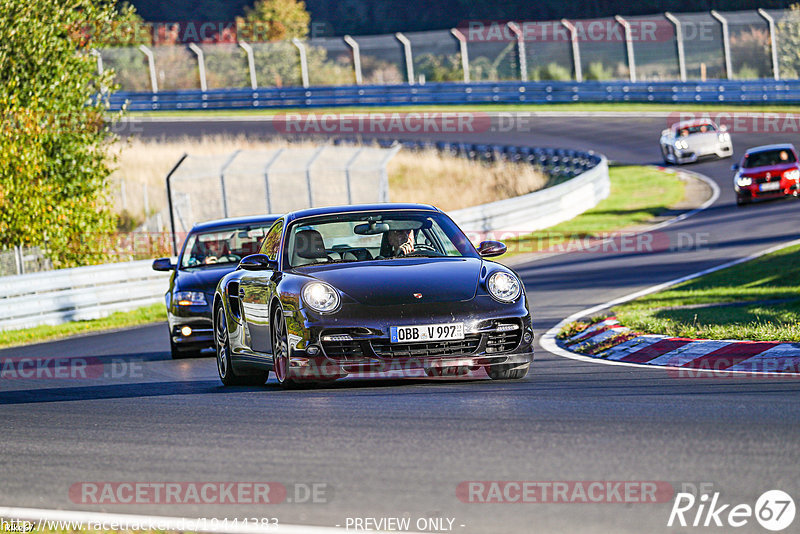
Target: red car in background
(769,171)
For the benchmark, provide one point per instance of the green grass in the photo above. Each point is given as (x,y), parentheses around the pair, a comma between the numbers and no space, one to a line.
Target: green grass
(638,195)
(145,315)
(577,106)
(774,277)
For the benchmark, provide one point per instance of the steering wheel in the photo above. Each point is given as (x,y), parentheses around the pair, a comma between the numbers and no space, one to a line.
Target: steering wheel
(420,247)
(228,258)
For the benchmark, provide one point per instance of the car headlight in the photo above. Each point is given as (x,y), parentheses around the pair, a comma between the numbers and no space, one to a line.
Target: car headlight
(793,174)
(504,287)
(743,181)
(320,297)
(190,298)
(680,143)
(724,137)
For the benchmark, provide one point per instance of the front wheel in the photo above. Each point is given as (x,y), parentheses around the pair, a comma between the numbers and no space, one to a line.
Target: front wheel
(224,366)
(280,350)
(507,371)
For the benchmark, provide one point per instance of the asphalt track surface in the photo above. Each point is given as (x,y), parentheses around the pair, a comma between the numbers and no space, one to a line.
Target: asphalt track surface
(388,448)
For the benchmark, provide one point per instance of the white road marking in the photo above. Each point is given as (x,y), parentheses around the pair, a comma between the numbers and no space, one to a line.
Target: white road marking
(548,340)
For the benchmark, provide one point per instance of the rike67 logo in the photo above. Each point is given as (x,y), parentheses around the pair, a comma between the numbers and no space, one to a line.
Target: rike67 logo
(774,510)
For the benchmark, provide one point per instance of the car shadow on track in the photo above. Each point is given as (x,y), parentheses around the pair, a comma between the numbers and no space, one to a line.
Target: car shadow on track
(200,387)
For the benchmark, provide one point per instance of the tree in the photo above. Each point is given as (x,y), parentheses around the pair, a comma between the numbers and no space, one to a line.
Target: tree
(53,149)
(789,43)
(274,20)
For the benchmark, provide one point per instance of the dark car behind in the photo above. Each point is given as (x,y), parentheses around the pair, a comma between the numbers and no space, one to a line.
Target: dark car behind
(211,250)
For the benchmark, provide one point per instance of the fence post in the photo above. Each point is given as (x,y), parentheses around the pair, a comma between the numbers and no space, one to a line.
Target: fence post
(384,183)
(17,260)
(99,58)
(201,65)
(251,64)
(145,200)
(523,60)
(310,162)
(356,57)
(303,60)
(222,182)
(629,47)
(151,62)
(169,203)
(409,58)
(462,43)
(726,43)
(679,42)
(773,39)
(576,49)
(123,192)
(347,173)
(266,177)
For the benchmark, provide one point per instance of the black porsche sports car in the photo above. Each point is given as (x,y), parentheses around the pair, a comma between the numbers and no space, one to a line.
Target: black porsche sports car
(368,289)
(211,250)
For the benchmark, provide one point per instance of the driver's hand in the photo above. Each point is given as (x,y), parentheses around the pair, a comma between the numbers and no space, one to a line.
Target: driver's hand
(407,247)
(210,260)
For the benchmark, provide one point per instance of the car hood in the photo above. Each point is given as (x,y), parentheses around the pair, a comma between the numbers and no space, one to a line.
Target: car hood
(396,281)
(699,140)
(775,171)
(202,279)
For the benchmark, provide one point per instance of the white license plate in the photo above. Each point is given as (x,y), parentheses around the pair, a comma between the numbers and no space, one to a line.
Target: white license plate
(773,186)
(430,332)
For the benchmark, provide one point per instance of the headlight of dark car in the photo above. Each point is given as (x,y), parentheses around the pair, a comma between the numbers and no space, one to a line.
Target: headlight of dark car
(504,287)
(190,298)
(321,297)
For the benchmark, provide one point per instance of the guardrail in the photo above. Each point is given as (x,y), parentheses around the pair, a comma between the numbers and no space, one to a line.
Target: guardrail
(580,181)
(451,93)
(541,209)
(78,294)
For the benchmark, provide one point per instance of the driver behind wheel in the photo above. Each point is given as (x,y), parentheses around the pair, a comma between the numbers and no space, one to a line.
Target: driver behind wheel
(401,242)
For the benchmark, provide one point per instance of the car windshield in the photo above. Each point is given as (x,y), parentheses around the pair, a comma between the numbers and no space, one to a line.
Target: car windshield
(353,237)
(224,246)
(767,158)
(695,129)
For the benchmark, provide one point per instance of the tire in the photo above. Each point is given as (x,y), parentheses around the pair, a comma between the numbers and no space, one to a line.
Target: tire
(507,371)
(741,202)
(224,367)
(280,350)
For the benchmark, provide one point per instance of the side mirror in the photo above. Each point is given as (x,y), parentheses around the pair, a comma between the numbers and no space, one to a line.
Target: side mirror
(258,262)
(723,128)
(664,132)
(163,264)
(735,167)
(490,249)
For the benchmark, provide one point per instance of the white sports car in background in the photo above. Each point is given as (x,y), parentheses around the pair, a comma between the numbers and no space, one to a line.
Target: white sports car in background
(689,141)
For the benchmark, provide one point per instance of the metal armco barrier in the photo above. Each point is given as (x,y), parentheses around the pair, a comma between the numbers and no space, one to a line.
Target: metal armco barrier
(538,210)
(449,93)
(81,293)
